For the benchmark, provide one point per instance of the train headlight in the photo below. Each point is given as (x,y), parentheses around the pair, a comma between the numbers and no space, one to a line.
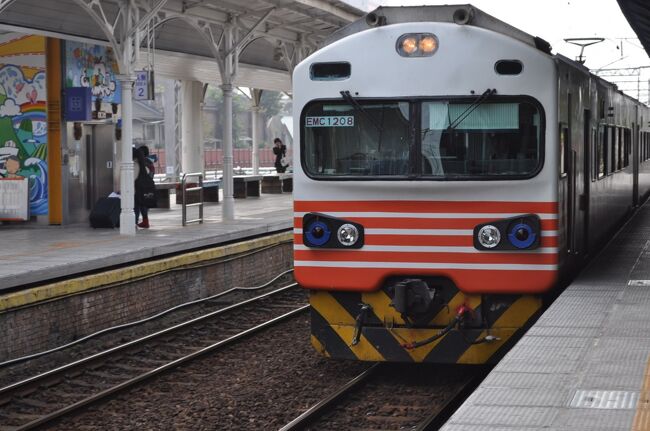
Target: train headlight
(522,235)
(428,44)
(318,233)
(417,45)
(409,45)
(489,236)
(348,234)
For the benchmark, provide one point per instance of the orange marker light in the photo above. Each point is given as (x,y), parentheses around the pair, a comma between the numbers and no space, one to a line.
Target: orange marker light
(409,45)
(428,44)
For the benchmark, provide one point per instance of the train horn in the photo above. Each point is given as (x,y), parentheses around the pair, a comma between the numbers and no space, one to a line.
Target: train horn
(463,16)
(374,20)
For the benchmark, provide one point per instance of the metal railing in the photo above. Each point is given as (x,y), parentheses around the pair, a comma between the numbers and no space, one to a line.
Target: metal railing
(185,190)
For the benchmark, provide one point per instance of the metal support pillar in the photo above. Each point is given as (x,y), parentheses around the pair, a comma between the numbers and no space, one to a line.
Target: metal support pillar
(192,133)
(127,187)
(228,211)
(255,112)
(256,97)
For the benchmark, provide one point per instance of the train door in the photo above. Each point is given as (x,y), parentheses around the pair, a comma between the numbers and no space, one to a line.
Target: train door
(584,197)
(635,161)
(570,155)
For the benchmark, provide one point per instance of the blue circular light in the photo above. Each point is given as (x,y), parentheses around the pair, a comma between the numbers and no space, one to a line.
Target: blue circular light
(522,236)
(318,233)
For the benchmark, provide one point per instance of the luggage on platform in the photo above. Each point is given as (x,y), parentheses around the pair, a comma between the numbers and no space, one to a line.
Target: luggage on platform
(106,213)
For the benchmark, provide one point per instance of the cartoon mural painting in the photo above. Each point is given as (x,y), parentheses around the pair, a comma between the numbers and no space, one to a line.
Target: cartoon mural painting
(93,66)
(23,118)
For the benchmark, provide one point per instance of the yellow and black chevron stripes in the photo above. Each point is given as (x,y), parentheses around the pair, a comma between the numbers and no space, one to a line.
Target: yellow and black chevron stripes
(384,333)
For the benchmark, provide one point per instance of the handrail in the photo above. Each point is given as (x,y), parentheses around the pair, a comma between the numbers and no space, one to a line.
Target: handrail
(185,189)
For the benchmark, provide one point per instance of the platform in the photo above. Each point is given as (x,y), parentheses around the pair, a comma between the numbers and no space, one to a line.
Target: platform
(36,254)
(584,364)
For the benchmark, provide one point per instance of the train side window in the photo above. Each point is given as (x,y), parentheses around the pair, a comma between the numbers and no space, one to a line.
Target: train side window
(628,146)
(593,154)
(609,150)
(619,148)
(601,109)
(564,149)
(600,153)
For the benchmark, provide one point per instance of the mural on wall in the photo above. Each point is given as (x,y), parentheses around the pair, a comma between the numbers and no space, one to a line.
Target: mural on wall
(93,66)
(23,115)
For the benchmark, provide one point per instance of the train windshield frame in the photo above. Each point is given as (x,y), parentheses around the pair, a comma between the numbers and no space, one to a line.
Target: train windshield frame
(434,138)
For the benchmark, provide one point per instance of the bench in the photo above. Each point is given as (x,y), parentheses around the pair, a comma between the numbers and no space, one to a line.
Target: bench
(162,194)
(210,192)
(246,185)
(277,183)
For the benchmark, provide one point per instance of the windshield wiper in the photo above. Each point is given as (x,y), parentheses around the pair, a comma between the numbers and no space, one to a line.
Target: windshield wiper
(357,107)
(475,104)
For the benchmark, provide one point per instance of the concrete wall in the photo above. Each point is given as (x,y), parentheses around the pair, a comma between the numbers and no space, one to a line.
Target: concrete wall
(41,326)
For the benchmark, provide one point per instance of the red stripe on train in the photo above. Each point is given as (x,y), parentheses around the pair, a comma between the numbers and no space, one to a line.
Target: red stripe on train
(468,281)
(429,240)
(420,223)
(521,258)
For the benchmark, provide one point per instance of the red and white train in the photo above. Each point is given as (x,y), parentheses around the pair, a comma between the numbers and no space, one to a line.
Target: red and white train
(451,172)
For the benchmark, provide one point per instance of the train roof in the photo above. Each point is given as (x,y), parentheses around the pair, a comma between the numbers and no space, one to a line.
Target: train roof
(464,14)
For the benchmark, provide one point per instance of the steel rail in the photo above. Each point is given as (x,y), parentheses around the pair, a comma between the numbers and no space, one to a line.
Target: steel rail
(56,372)
(149,374)
(316,410)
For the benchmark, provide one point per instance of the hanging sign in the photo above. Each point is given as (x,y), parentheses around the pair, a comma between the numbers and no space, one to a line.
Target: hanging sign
(77,104)
(143,88)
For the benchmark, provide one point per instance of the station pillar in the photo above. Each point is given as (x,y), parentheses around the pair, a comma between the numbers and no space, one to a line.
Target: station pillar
(228,209)
(192,127)
(127,186)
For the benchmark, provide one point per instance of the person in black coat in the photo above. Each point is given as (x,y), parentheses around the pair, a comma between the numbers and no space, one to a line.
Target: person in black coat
(280,150)
(139,168)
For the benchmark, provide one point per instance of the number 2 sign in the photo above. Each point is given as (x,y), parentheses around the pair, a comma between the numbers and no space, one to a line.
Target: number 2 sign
(141,87)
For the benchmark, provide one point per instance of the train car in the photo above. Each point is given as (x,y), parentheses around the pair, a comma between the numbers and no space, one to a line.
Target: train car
(451,173)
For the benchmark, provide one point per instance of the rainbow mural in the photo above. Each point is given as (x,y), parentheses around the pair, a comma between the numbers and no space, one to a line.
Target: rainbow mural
(23,115)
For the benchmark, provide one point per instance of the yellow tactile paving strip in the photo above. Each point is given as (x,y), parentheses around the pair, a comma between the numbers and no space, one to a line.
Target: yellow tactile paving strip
(642,417)
(80,284)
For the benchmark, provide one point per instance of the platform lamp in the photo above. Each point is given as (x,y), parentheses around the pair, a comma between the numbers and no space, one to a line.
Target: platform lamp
(583,42)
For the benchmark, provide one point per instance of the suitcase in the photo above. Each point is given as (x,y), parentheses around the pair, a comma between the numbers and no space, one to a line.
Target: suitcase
(106,213)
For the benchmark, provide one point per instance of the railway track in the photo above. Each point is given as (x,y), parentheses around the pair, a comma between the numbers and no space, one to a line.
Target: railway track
(50,395)
(392,396)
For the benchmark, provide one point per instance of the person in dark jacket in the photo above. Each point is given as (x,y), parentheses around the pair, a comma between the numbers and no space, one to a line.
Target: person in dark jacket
(139,168)
(280,150)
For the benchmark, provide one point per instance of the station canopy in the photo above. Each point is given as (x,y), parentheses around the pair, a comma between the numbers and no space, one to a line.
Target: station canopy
(637,13)
(275,34)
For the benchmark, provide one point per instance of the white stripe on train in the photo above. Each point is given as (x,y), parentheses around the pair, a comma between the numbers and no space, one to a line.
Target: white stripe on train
(430,249)
(423,265)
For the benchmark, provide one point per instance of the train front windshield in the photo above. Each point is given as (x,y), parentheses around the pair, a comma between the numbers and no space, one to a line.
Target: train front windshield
(428,139)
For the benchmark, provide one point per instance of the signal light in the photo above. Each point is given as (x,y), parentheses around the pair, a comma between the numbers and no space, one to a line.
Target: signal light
(318,233)
(521,235)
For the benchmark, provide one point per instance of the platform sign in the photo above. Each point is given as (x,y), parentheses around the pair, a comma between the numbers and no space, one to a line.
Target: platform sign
(143,88)
(77,104)
(14,199)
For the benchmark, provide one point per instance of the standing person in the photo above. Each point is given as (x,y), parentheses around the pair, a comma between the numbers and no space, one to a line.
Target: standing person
(151,169)
(280,151)
(139,168)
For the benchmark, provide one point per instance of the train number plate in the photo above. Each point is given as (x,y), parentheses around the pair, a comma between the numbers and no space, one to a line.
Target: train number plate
(330,121)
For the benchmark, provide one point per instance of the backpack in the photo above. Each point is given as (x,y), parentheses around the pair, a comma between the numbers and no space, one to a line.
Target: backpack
(145,190)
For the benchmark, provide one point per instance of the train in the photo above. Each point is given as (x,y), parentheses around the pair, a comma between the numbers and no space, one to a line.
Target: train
(452,174)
